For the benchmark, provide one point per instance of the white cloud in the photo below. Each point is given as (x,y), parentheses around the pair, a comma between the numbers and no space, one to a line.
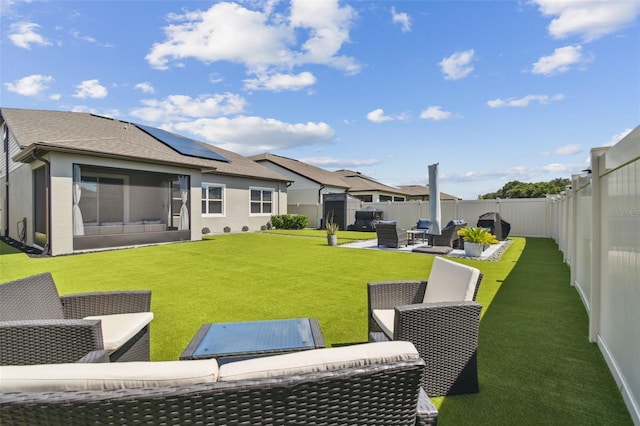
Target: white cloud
(401,18)
(279,82)
(76,34)
(522,173)
(525,101)
(183,108)
(261,40)
(561,60)
(31,85)
(618,137)
(568,149)
(254,135)
(23,34)
(90,89)
(378,116)
(458,65)
(146,87)
(435,113)
(333,162)
(588,19)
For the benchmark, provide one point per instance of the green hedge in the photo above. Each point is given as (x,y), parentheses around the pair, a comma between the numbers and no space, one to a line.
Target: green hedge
(289,221)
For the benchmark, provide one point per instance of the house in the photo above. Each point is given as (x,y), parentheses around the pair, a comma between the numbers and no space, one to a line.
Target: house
(308,183)
(72,182)
(368,189)
(421,192)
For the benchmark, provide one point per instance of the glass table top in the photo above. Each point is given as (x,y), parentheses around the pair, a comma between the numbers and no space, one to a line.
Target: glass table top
(255,337)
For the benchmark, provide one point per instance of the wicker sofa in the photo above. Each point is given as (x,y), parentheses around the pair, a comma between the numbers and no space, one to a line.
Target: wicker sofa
(390,235)
(37,326)
(440,317)
(370,383)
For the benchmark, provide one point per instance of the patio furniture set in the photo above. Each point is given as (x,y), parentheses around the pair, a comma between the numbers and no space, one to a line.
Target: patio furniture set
(389,234)
(62,361)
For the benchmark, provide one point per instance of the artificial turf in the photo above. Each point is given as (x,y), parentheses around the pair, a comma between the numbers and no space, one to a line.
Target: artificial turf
(535,363)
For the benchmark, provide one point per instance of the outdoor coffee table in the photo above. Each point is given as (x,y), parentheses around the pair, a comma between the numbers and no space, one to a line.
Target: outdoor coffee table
(234,341)
(413,233)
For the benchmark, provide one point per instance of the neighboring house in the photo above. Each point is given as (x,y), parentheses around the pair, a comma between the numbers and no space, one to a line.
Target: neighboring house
(309,183)
(421,192)
(367,189)
(72,182)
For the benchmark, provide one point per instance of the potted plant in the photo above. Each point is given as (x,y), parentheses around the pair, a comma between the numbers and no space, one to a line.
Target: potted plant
(332,229)
(475,239)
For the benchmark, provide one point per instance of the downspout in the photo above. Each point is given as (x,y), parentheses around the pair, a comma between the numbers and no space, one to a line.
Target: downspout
(5,142)
(320,193)
(47,172)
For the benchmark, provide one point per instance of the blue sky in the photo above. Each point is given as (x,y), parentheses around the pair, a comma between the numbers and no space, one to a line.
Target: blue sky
(493,91)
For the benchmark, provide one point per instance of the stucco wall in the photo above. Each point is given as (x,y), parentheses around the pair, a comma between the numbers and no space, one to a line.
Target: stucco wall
(237,203)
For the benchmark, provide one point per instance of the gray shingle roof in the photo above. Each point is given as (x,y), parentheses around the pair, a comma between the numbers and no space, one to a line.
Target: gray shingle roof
(101,136)
(423,191)
(313,173)
(359,182)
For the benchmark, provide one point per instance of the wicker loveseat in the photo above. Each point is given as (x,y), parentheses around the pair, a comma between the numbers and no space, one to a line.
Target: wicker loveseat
(371,383)
(390,235)
(37,326)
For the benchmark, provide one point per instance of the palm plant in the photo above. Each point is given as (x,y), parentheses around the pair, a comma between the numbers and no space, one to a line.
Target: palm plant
(477,235)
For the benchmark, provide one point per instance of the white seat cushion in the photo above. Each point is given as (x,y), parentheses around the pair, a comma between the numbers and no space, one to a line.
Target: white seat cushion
(317,360)
(385,319)
(450,282)
(117,329)
(106,376)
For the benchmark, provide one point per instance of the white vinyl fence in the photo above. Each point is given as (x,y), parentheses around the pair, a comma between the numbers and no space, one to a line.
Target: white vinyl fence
(596,224)
(597,227)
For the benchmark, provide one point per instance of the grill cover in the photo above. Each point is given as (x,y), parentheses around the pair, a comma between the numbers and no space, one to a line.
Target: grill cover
(497,226)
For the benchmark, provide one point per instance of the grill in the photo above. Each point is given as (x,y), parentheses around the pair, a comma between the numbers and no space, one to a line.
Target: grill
(366,219)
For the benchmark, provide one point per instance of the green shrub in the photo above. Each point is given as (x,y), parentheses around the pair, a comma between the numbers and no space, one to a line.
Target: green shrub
(206,231)
(245,228)
(227,229)
(289,221)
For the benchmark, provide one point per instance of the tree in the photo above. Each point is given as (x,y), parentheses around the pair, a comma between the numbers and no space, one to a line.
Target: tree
(517,189)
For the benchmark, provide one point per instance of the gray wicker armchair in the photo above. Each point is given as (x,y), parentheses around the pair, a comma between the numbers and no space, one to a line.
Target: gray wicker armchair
(390,235)
(37,326)
(449,235)
(445,332)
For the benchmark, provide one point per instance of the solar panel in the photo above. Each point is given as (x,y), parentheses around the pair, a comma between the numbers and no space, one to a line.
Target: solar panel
(182,145)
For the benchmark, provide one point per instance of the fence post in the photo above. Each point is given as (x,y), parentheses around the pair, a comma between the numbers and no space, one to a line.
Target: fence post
(596,243)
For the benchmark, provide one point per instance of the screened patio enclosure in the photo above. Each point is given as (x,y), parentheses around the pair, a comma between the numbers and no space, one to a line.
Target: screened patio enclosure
(120,207)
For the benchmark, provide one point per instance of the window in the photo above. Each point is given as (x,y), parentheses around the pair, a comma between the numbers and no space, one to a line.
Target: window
(261,200)
(385,198)
(212,199)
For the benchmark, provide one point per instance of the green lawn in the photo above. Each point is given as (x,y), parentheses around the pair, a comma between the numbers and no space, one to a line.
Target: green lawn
(535,363)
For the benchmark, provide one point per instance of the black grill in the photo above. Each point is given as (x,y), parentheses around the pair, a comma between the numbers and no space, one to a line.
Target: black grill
(366,219)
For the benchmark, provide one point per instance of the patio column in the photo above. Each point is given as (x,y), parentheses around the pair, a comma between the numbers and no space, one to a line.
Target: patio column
(78,223)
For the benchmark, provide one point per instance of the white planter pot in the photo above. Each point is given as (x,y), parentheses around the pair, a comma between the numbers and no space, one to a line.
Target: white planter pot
(473,249)
(332,240)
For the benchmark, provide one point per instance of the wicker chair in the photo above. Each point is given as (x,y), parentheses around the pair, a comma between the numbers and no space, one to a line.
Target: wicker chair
(37,326)
(444,331)
(382,392)
(449,235)
(390,235)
